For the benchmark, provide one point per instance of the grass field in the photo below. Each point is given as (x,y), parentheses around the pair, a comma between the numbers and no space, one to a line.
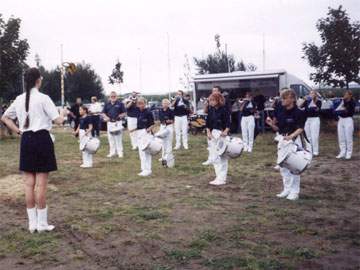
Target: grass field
(110,218)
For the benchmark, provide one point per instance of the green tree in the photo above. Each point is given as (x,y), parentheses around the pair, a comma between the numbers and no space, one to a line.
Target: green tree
(117,75)
(13,53)
(83,83)
(337,59)
(220,62)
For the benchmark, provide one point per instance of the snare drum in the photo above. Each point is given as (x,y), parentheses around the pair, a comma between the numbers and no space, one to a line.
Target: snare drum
(293,157)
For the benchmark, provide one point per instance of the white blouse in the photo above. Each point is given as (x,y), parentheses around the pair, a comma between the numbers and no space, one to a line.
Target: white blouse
(42,111)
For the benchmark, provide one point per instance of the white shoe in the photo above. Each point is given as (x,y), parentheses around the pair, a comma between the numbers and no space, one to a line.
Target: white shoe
(134,148)
(283,194)
(85,166)
(348,157)
(42,222)
(277,167)
(315,154)
(110,155)
(145,173)
(160,159)
(206,163)
(121,155)
(217,182)
(292,197)
(186,147)
(32,216)
(339,156)
(176,147)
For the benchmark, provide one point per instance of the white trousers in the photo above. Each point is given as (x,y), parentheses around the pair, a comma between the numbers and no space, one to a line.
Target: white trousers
(167,153)
(345,129)
(291,182)
(145,157)
(181,130)
(220,163)
(132,124)
(312,131)
(86,156)
(115,143)
(247,131)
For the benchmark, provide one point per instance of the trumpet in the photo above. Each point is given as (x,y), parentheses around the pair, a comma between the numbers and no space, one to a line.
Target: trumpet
(204,99)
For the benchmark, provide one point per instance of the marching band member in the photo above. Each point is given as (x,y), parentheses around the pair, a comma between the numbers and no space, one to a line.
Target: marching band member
(74,112)
(132,112)
(181,111)
(345,126)
(218,125)
(95,112)
(312,125)
(166,117)
(145,123)
(212,154)
(85,129)
(289,121)
(35,113)
(248,122)
(113,113)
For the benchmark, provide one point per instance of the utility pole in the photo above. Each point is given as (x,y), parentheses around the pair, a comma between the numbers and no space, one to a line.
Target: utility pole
(169,64)
(62,71)
(263,52)
(140,70)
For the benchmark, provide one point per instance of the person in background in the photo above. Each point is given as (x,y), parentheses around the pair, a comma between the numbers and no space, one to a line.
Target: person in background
(166,117)
(95,112)
(259,101)
(289,122)
(132,112)
(84,130)
(145,123)
(312,106)
(113,114)
(181,112)
(247,109)
(35,112)
(217,126)
(74,112)
(345,126)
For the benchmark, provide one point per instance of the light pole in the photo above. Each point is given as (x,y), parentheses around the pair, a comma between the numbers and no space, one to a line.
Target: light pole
(62,71)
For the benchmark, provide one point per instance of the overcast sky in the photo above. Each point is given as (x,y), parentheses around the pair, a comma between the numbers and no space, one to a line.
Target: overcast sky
(100,32)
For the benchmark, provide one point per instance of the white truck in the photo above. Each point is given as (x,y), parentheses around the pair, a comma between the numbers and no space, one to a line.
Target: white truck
(239,82)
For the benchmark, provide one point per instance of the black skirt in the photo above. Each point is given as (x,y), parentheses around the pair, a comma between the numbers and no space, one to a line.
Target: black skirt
(37,152)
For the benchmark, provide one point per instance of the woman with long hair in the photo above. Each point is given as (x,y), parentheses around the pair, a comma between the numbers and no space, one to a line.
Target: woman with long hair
(35,112)
(217,126)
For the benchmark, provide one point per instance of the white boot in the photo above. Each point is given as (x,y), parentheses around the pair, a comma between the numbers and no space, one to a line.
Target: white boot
(283,194)
(31,212)
(42,223)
